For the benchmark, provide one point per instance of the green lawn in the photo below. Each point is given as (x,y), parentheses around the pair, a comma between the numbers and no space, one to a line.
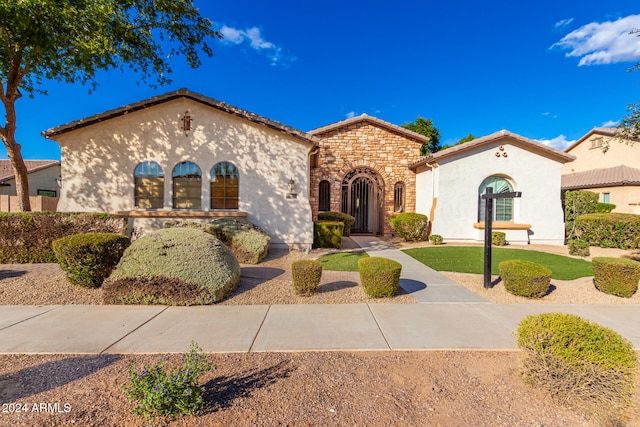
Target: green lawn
(466,259)
(342,261)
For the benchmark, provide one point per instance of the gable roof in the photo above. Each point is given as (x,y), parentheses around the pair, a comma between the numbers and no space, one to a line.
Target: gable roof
(527,143)
(600,131)
(375,121)
(170,96)
(7,172)
(604,177)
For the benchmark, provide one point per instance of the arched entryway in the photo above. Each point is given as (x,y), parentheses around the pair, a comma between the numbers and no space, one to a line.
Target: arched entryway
(362,196)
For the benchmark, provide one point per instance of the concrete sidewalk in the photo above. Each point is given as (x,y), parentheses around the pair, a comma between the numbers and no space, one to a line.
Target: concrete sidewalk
(91,329)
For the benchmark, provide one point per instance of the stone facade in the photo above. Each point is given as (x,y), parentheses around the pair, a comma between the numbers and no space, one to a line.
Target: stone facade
(366,144)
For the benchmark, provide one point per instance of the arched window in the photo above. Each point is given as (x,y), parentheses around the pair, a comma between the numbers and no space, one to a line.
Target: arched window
(148,186)
(224,186)
(324,196)
(186,186)
(503,208)
(398,197)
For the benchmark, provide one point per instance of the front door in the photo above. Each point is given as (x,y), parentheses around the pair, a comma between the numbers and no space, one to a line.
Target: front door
(361,198)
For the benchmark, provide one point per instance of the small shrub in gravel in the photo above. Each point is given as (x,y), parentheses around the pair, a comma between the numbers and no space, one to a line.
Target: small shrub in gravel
(579,363)
(616,276)
(306,276)
(174,393)
(498,238)
(579,247)
(327,234)
(347,219)
(88,259)
(435,239)
(380,277)
(525,278)
(410,226)
(202,269)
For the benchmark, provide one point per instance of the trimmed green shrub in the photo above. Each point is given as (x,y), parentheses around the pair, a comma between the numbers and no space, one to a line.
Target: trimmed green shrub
(604,207)
(26,237)
(579,247)
(88,259)
(498,238)
(380,277)
(173,266)
(525,278)
(306,276)
(612,230)
(579,363)
(436,239)
(577,203)
(616,276)
(347,219)
(327,234)
(409,225)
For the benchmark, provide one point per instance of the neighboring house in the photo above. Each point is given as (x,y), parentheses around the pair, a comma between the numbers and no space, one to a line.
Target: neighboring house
(43,177)
(450,182)
(182,155)
(607,166)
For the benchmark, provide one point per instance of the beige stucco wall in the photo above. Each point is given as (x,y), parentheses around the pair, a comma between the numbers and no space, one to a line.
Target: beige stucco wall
(98,162)
(589,154)
(44,179)
(626,198)
(456,181)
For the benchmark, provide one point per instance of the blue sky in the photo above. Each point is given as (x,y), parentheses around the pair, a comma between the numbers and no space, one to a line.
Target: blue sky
(546,70)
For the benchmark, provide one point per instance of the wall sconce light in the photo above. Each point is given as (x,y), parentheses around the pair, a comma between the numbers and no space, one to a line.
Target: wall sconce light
(186,123)
(59,181)
(292,188)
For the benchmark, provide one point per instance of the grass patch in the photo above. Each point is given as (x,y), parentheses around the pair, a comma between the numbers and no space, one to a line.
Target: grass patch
(467,259)
(342,261)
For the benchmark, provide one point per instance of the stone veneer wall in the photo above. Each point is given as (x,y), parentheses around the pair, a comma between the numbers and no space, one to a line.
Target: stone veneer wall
(365,144)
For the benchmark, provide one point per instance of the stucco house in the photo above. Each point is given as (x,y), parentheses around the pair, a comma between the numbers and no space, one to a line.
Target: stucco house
(613,172)
(184,155)
(43,176)
(449,184)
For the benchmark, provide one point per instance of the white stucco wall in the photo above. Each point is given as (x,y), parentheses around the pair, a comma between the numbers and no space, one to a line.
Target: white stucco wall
(459,179)
(98,163)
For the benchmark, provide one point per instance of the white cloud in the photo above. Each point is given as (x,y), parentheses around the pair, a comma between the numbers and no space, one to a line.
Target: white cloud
(546,113)
(253,36)
(559,142)
(606,42)
(610,123)
(350,114)
(563,23)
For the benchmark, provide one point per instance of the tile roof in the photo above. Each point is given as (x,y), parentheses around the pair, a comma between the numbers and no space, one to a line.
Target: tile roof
(529,144)
(169,96)
(605,177)
(6,168)
(365,118)
(611,132)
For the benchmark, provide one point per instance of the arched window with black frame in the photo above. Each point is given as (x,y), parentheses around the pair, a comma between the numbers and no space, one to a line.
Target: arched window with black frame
(225,186)
(187,180)
(503,208)
(148,185)
(398,197)
(324,196)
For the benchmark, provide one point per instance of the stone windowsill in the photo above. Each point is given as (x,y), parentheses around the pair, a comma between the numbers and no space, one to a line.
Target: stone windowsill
(503,226)
(181,214)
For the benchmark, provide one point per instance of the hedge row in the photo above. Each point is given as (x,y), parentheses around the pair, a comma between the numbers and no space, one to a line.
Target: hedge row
(609,230)
(26,237)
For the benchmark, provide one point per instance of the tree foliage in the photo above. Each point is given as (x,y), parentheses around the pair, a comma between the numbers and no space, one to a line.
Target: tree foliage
(425,127)
(71,40)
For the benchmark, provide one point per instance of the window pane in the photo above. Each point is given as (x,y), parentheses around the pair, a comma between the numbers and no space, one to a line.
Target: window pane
(324,197)
(502,208)
(148,186)
(224,186)
(186,186)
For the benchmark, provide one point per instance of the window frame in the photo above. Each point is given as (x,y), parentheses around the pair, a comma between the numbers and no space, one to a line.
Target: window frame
(503,209)
(192,180)
(324,196)
(230,191)
(399,197)
(153,172)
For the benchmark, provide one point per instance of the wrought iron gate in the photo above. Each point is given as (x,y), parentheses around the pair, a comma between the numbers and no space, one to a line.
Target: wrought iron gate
(362,190)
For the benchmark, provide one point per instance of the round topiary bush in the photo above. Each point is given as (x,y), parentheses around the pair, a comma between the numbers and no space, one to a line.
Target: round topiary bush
(616,276)
(525,278)
(410,226)
(579,247)
(306,276)
(578,362)
(347,219)
(173,266)
(380,277)
(88,258)
(498,238)
(435,239)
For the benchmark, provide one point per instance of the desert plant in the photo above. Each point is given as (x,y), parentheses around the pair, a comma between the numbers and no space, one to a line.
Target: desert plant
(88,259)
(577,203)
(174,393)
(306,275)
(579,247)
(192,264)
(380,277)
(435,239)
(525,278)
(327,234)
(579,363)
(604,207)
(347,219)
(616,276)
(410,226)
(612,230)
(498,238)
